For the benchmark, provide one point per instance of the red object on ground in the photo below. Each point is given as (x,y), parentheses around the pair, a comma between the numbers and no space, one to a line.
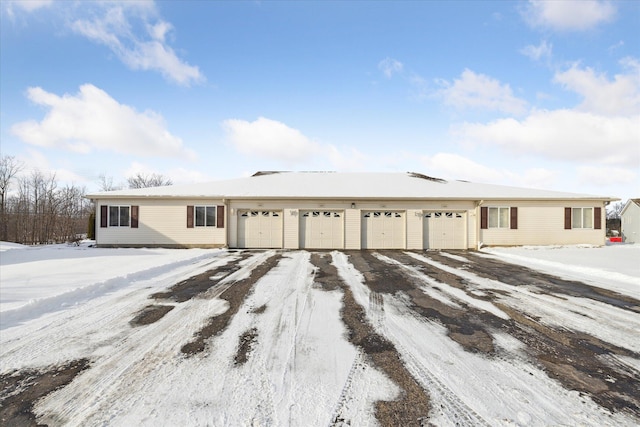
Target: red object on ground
(615,239)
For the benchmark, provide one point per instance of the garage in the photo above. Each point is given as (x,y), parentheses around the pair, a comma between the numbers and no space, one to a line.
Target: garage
(383,229)
(259,229)
(322,229)
(444,230)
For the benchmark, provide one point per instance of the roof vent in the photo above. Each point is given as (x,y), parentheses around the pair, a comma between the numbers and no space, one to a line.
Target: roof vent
(261,173)
(428,178)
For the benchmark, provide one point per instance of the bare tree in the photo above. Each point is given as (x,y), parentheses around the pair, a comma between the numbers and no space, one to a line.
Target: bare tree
(141,180)
(9,168)
(106,183)
(614,210)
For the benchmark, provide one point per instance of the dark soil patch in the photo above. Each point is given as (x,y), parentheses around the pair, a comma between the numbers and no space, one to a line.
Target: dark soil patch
(322,277)
(413,404)
(235,296)
(467,327)
(387,280)
(259,310)
(517,275)
(573,358)
(21,389)
(245,346)
(150,314)
(201,283)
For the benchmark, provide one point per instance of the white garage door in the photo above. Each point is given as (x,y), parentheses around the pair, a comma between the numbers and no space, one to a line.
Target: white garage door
(259,229)
(444,230)
(321,229)
(383,230)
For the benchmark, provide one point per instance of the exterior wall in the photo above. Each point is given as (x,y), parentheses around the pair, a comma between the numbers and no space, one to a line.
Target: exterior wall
(161,222)
(473,226)
(542,223)
(291,229)
(631,223)
(414,229)
(352,217)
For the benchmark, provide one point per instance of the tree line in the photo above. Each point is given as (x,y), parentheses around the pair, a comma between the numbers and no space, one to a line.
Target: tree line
(36,209)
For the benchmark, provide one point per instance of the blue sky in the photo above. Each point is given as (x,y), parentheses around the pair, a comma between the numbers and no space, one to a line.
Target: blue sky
(525,93)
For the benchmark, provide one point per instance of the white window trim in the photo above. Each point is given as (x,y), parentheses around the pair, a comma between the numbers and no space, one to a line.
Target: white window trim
(215,217)
(109,216)
(500,225)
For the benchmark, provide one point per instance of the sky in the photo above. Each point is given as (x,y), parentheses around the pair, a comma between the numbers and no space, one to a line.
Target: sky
(523,93)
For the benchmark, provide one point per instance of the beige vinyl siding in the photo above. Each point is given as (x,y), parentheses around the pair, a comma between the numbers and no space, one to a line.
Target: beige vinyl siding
(542,223)
(414,229)
(291,229)
(162,222)
(352,229)
(473,224)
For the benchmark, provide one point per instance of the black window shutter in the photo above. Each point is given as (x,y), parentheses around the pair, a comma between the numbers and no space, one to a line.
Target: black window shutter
(514,218)
(104,216)
(567,218)
(220,217)
(484,217)
(597,218)
(189,216)
(134,216)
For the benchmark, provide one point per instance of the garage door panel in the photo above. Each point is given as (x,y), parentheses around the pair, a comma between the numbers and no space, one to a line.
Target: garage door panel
(444,230)
(322,229)
(383,230)
(259,229)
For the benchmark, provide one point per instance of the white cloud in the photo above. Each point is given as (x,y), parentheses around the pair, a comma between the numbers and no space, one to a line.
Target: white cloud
(543,50)
(455,166)
(145,49)
(474,90)
(390,66)
(606,176)
(29,5)
(562,134)
(568,15)
(92,120)
(269,138)
(620,96)
(347,159)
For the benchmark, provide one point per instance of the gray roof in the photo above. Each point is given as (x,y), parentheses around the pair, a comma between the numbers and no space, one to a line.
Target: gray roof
(336,185)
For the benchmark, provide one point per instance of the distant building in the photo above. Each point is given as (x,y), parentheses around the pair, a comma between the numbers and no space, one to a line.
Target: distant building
(630,217)
(327,210)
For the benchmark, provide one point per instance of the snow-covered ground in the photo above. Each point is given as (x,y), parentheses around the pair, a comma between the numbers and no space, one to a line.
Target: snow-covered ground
(60,303)
(615,266)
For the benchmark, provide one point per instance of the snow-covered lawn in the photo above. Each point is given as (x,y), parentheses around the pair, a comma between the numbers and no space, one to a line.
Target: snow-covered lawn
(62,303)
(615,266)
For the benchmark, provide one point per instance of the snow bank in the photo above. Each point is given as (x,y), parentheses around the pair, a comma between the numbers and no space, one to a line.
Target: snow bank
(40,279)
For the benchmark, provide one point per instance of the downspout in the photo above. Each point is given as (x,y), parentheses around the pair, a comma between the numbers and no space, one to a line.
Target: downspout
(478,219)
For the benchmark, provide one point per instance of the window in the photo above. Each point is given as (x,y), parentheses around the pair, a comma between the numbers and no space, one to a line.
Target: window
(210,216)
(119,216)
(205,216)
(498,217)
(582,218)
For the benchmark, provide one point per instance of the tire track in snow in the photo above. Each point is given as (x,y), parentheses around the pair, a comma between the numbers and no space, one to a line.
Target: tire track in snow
(117,381)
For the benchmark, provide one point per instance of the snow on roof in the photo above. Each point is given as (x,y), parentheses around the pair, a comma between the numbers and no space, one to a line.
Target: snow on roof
(337,185)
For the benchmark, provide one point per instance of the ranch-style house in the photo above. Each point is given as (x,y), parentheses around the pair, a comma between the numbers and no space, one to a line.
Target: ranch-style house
(329,210)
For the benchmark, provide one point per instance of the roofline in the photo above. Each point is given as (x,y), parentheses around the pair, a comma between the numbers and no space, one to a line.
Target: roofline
(345,198)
